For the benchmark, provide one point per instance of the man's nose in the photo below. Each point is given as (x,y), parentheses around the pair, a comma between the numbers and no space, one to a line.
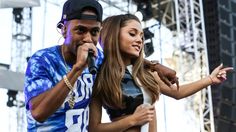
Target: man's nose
(87,37)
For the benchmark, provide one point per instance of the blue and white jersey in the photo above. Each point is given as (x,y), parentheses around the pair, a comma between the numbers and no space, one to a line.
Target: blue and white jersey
(45,69)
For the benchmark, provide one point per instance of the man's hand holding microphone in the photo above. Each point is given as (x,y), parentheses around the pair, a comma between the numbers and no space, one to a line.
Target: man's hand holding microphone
(86,56)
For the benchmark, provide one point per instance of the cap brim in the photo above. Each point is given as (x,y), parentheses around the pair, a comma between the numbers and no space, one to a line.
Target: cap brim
(81,17)
(88,17)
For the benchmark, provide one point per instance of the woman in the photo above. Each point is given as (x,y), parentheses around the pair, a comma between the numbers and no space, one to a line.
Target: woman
(124,85)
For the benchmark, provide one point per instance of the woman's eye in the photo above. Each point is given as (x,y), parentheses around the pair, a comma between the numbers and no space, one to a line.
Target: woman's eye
(131,34)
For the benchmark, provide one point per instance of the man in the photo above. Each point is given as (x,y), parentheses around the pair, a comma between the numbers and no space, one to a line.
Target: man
(58,84)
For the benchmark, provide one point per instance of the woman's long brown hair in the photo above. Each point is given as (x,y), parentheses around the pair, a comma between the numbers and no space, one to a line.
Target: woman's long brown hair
(108,83)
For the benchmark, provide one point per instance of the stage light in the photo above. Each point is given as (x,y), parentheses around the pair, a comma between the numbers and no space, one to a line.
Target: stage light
(139,15)
(148,43)
(17,12)
(11,98)
(145,8)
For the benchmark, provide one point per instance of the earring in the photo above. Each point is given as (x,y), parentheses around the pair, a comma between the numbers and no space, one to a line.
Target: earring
(59,29)
(63,29)
(60,25)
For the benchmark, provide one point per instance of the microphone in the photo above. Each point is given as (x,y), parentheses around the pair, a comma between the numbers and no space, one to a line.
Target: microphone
(91,62)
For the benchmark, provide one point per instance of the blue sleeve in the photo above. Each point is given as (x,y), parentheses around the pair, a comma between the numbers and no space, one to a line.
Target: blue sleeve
(37,79)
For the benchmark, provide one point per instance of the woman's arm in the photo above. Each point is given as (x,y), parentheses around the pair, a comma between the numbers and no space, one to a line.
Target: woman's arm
(153,124)
(217,76)
(184,90)
(140,117)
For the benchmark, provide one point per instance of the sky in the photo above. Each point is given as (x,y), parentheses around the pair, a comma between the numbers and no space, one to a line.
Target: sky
(171,114)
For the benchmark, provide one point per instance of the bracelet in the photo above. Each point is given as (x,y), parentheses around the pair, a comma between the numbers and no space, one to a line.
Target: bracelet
(212,82)
(68,84)
(71,100)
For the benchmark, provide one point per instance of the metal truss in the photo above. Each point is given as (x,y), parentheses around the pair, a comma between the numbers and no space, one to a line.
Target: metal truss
(164,12)
(20,50)
(21,39)
(190,23)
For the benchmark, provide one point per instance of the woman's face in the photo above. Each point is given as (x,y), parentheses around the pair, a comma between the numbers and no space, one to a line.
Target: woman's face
(131,40)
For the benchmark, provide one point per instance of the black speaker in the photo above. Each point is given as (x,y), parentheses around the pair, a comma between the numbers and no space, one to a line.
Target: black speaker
(220,25)
(228,112)
(228,94)
(225,126)
(211,21)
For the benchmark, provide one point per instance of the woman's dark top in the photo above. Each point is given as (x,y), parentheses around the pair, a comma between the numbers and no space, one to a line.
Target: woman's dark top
(132,97)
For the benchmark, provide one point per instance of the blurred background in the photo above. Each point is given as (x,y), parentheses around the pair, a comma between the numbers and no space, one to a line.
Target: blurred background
(190,36)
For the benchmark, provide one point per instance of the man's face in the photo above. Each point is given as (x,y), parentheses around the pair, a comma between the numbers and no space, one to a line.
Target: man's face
(81,31)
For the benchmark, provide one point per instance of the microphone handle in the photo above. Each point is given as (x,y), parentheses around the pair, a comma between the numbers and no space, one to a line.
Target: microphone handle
(91,62)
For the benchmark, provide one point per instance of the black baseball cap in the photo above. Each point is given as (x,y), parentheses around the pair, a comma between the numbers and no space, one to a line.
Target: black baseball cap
(72,9)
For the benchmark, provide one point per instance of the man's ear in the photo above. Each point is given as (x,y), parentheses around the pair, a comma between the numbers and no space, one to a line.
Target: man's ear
(63,31)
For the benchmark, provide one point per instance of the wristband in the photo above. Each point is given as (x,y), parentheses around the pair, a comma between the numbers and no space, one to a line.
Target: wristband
(212,82)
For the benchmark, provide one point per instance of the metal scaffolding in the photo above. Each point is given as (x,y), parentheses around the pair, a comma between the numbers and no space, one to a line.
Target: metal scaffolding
(20,50)
(21,38)
(190,23)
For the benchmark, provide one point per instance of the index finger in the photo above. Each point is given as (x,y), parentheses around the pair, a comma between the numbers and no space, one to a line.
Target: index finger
(228,69)
(92,47)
